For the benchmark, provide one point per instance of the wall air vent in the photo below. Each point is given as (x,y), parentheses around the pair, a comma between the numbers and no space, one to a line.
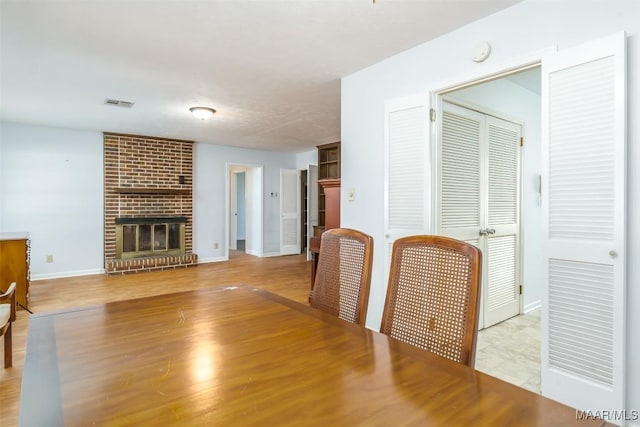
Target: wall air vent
(118,103)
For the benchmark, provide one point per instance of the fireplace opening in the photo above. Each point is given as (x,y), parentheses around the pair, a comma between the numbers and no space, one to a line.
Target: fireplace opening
(146,237)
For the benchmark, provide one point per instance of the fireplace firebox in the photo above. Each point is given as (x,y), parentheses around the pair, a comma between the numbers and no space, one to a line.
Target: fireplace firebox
(149,237)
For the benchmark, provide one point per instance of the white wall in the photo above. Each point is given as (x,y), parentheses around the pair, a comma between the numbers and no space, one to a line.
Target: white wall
(209,177)
(506,97)
(303,160)
(51,184)
(52,187)
(521,30)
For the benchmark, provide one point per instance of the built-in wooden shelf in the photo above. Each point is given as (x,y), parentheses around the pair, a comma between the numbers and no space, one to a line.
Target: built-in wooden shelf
(144,190)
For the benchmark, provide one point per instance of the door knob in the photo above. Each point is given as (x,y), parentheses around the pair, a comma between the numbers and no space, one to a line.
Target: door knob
(483,232)
(491,231)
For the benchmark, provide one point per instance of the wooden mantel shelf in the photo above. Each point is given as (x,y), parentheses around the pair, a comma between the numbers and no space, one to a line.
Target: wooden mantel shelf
(145,190)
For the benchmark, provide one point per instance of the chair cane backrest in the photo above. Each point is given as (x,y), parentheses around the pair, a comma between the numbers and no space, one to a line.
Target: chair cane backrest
(344,274)
(433,296)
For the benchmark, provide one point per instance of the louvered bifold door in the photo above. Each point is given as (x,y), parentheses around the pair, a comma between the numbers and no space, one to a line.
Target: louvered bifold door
(406,170)
(406,180)
(461,173)
(478,201)
(502,296)
(289,212)
(460,199)
(584,248)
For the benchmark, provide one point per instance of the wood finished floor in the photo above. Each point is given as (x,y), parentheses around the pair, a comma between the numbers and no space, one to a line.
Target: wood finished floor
(287,276)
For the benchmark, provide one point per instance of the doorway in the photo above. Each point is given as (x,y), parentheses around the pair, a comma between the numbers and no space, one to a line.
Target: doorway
(244,209)
(509,102)
(240,211)
(513,98)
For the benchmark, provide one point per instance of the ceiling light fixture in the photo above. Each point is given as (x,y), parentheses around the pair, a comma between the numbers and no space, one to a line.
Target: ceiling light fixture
(203,113)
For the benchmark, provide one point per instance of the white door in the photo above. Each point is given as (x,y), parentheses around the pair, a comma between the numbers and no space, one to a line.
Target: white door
(479,201)
(584,217)
(289,212)
(407,170)
(312,207)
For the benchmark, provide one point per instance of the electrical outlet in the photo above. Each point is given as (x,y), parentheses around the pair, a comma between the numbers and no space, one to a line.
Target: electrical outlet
(215,245)
(49,258)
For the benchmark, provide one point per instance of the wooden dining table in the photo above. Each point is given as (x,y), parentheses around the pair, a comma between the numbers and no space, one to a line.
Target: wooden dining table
(240,356)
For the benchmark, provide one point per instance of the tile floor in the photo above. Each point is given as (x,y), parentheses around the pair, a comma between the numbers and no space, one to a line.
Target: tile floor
(511,351)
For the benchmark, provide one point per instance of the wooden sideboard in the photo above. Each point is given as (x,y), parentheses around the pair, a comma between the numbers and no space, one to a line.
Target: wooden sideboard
(14,265)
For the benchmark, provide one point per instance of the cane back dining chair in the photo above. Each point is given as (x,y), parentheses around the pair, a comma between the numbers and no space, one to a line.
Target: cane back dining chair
(433,296)
(343,276)
(7,317)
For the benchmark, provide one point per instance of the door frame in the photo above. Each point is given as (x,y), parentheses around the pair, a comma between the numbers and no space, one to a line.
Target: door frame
(254,239)
(438,95)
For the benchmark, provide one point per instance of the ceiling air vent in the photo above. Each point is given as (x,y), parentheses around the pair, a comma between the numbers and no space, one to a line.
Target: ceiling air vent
(118,103)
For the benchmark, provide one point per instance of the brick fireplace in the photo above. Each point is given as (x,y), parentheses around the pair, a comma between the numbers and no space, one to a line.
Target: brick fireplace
(148,205)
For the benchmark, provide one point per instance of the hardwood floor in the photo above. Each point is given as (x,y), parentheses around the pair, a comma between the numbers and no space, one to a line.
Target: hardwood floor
(287,276)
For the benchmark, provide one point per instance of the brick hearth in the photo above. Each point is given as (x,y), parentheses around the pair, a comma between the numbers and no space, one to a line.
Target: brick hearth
(146,177)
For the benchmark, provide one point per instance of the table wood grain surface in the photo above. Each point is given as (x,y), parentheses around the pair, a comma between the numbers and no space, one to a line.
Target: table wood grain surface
(242,356)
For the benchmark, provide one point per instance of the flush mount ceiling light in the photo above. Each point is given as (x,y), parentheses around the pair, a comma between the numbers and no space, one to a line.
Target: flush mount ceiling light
(203,113)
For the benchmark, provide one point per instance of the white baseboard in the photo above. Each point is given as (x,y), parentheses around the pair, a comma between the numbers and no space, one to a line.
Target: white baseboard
(532,306)
(252,252)
(270,254)
(63,274)
(208,260)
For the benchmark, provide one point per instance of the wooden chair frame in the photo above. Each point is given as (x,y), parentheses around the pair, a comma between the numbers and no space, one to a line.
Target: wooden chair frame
(421,323)
(326,290)
(9,297)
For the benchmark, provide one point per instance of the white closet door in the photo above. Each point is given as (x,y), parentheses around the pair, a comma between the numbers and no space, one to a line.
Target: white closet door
(584,248)
(406,170)
(478,201)
(502,252)
(462,180)
(289,212)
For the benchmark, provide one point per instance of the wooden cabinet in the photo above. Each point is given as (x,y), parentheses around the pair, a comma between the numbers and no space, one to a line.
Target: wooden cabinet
(14,264)
(304,211)
(328,168)
(331,189)
(328,198)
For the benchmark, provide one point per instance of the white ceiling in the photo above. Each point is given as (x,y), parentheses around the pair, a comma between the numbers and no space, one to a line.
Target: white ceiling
(271,68)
